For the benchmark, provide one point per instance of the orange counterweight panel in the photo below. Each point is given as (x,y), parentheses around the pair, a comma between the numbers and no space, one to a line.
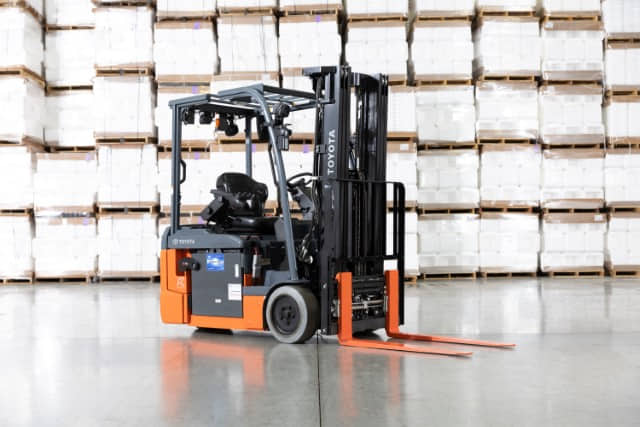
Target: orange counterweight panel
(175,287)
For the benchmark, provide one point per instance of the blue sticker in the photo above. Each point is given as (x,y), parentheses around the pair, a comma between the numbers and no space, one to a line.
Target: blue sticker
(215,262)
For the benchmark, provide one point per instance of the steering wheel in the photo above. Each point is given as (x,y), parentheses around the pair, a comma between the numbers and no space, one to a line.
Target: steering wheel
(301,182)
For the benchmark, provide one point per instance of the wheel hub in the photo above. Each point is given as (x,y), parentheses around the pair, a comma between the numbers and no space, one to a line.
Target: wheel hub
(286,315)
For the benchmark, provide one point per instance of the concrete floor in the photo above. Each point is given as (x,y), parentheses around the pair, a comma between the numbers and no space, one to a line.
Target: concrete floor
(99,355)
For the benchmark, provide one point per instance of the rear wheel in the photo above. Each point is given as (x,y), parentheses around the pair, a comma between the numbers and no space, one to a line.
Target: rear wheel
(292,314)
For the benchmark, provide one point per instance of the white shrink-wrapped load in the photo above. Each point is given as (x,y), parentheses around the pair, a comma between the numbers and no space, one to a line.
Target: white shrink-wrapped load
(621,172)
(22,106)
(572,50)
(20,40)
(310,5)
(402,110)
(127,175)
(510,175)
(571,114)
(65,247)
(231,158)
(622,62)
(76,13)
(401,167)
(377,7)
(439,8)
(442,50)
(448,243)
(571,7)
(307,41)
(507,5)
(69,119)
(196,190)
(69,58)
(123,106)
(302,123)
(243,5)
(448,179)
(16,260)
(378,47)
(411,261)
(573,179)
(509,242)
(573,242)
(127,245)
(507,110)
(124,36)
(192,135)
(184,52)
(507,46)
(248,43)
(76,173)
(621,120)
(17,165)
(185,8)
(621,18)
(623,242)
(445,115)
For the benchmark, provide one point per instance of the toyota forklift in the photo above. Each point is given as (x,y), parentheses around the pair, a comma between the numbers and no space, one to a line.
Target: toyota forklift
(241,269)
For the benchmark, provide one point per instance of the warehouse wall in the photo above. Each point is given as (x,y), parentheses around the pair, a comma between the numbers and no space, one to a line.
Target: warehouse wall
(511,124)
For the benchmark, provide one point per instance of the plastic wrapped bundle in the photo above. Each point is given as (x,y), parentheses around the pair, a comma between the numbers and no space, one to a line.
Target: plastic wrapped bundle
(127,245)
(573,242)
(507,46)
(448,179)
(571,114)
(378,47)
(124,36)
(572,50)
(69,119)
(622,61)
(127,176)
(411,261)
(234,5)
(16,260)
(510,176)
(185,8)
(507,5)
(196,191)
(623,242)
(124,106)
(65,247)
(621,172)
(621,18)
(448,243)
(248,43)
(77,173)
(302,122)
(17,165)
(78,13)
(184,51)
(22,106)
(307,41)
(509,242)
(401,167)
(192,135)
(377,7)
(401,110)
(69,58)
(621,120)
(445,115)
(573,179)
(20,40)
(571,7)
(442,50)
(507,110)
(440,8)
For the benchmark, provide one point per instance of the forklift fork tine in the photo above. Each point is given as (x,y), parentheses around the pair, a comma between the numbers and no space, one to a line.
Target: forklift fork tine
(393,320)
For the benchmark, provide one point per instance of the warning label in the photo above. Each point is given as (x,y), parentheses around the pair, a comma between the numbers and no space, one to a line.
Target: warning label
(234,292)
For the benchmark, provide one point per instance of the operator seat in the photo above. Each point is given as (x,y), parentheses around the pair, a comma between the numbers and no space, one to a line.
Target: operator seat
(239,204)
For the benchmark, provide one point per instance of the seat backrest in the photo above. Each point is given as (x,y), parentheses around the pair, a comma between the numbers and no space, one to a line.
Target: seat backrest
(252,193)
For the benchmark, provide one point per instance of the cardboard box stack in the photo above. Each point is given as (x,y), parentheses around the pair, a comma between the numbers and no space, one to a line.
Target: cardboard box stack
(123,37)
(621,169)
(69,13)
(237,46)
(509,242)
(445,115)
(621,18)
(623,243)
(448,179)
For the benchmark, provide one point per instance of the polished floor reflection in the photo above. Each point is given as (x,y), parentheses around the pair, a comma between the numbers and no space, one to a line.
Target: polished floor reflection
(99,355)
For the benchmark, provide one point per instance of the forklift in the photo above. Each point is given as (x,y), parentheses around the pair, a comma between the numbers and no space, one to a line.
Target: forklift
(241,269)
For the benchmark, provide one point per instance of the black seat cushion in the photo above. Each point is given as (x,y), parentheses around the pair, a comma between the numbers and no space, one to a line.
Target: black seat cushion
(245,195)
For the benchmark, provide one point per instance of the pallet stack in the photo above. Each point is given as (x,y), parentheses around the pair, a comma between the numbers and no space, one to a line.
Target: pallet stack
(622,162)
(21,131)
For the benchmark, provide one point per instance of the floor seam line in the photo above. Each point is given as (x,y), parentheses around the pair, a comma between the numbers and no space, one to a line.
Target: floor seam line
(318,373)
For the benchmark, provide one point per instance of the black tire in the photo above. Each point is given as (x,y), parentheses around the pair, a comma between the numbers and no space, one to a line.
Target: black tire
(292,314)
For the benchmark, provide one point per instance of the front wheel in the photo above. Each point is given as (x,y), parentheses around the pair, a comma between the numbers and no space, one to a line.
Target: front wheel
(292,314)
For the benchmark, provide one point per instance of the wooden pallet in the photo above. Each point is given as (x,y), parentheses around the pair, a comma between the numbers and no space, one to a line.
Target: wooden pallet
(426,80)
(124,3)
(69,211)
(448,276)
(622,272)
(302,138)
(35,145)
(23,72)
(49,27)
(16,211)
(573,146)
(430,147)
(488,11)
(506,274)
(402,137)
(125,70)
(623,208)
(71,278)
(508,208)
(509,141)
(256,10)
(186,149)
(23,280)
(125,139)
(372,17)
(411,279)
(185,79)
(623,38)
(409,206)
(594,272)
(571,210)
(507,78)
(576,16)
(52,89)
(181,16)
(127,207)
(398,80)
(447,211)
(63,149)
(571,82)
(312,9)
(129,277)
(442,15)
(633,143)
